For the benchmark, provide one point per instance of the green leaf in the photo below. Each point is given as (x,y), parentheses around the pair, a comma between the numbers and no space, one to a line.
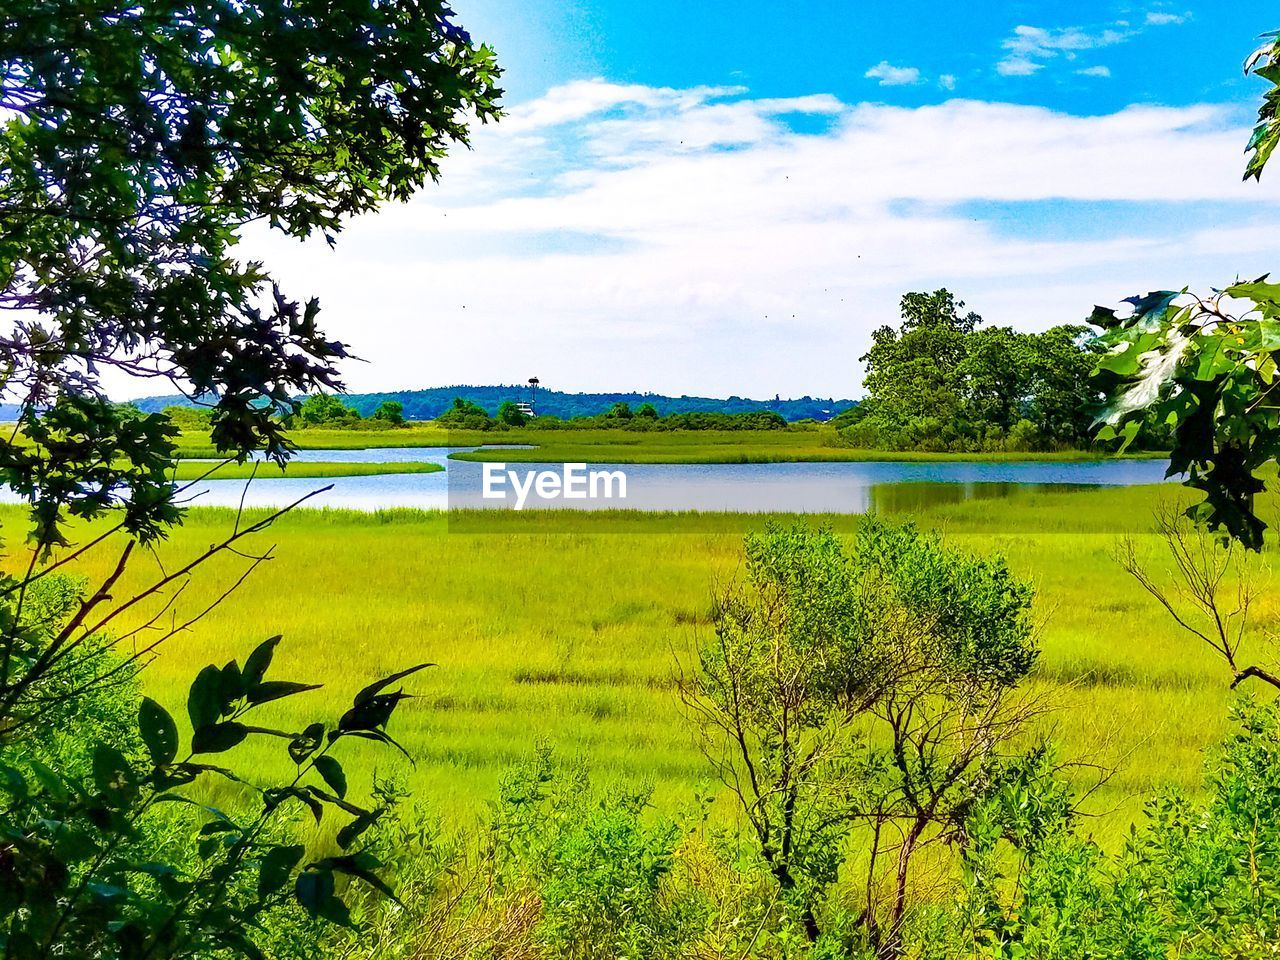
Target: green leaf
(231,683)
(111,771)
(313,889)
(204,701)
(353,830)
(369,692)
(50,780)
(12,781)
(361,866)
(277,865)
(306,742)
(255,667)
(218,737)
(241,944)
(1256,290)
(331,770)
(159,732)
(277,690)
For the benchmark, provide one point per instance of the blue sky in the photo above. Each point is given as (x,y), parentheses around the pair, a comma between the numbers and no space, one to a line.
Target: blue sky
(786,50)
(722,198)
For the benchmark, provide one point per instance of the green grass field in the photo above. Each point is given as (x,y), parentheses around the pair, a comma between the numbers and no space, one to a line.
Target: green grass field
(816,443)
(568,636)
(194,469)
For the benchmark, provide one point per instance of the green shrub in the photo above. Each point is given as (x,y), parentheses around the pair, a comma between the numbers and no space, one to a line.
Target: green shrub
(603,874)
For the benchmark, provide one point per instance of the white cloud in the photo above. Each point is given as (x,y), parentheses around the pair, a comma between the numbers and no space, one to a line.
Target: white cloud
(1017,67)
(947,81)
(1029,48)
(891,76)
(705,242)
(1099,71)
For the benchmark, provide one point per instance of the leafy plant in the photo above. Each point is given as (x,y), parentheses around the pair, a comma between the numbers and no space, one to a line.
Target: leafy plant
(1206,366)
(79,877)
(870,688)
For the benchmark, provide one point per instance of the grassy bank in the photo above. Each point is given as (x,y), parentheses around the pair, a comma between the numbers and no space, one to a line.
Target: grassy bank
(193,469)
(797,444)
(543,631)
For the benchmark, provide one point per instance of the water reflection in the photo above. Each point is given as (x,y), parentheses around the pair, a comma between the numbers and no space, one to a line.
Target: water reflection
(913,497)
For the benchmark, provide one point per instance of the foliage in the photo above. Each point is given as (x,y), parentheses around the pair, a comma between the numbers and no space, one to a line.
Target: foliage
(1199,879)
(510,414)
(83,875)
(942,382)
(189,418)
(135,144)
(868,687)
(1205,366)
(430,403)
(601,873)
(1265,62)
(464,415)
(324,409)
(390,411)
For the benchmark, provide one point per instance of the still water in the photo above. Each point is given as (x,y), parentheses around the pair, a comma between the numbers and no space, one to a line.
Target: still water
(763,487)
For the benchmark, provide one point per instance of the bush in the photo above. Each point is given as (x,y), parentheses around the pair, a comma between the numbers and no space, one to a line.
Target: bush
(1196,880)
(465,415)
(602,874)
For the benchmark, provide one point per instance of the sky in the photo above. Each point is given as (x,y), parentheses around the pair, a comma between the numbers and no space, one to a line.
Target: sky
(728,197)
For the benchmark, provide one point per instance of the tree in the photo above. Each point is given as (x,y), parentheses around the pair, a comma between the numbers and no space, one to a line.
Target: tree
(1061,397)
(136,142)
(390,411)
(511,415)
(647,411)
(941,381)
(1207,366)
(916,367)
(321,409)
(870,687)
(619,411)
(464,415)
(995,370)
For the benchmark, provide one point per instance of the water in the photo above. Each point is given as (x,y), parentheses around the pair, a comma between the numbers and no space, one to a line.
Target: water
(766,487)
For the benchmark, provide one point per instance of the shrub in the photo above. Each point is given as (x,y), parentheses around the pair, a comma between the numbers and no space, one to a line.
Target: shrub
(603,874)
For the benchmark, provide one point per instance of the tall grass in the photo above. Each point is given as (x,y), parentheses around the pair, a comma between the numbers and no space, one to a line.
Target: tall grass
(794,444)
(568,637)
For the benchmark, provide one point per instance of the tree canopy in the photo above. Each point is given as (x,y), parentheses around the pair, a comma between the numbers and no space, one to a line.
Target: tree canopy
(137,141)
(942,381)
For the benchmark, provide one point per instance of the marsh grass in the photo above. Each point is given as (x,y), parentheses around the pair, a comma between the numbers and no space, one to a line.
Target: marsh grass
(568,637)
(296,469)
(815,443)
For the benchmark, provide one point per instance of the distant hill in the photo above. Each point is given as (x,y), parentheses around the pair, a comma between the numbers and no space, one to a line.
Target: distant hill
(429,404)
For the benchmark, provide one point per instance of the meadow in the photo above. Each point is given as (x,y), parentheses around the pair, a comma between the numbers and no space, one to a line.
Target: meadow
(567,635)
(798,443)
(296,469)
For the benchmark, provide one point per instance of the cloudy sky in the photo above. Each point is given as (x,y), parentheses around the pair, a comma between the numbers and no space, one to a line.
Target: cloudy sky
(726,197)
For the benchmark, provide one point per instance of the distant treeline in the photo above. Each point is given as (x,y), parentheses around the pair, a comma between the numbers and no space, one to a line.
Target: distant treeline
(465,415)
(430,404)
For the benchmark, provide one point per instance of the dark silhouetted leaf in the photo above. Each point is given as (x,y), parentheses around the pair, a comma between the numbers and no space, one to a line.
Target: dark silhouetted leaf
(159,732)
(218,737)
(331,770)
